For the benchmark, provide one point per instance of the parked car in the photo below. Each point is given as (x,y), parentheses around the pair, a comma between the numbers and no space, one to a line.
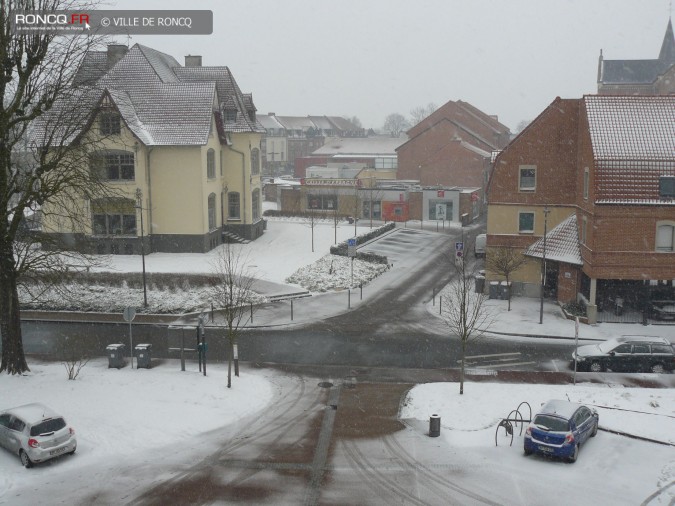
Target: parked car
(663,309)
(560,428)
(627,354)
(479,246)
(36,433)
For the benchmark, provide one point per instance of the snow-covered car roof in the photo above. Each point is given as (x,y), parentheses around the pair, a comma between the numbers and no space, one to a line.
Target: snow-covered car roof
(32,413)
(560,408)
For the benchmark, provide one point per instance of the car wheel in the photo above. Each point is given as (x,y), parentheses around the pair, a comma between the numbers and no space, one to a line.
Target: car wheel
(658,368)
(573,458)
(527,451)
(25,460)
(595,367)
(595,430)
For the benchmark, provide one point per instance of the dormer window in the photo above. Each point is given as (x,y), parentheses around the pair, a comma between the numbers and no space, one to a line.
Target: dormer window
(230,115)
(251,115)
(667,187)
(109,123)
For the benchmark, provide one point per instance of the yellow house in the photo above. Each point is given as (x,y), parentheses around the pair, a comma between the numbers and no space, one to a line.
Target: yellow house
(180,147)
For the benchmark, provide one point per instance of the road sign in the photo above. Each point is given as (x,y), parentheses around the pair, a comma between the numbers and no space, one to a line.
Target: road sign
(351,247)
(129,313)
(459,246)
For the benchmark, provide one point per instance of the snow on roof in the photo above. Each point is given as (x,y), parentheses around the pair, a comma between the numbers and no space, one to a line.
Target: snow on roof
(562,243)
(561,408)
(269,121)
(31,413)
(631,127)
(367,146)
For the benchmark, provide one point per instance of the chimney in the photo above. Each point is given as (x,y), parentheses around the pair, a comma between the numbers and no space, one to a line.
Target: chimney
(271,114)
(193,61)
(115,53)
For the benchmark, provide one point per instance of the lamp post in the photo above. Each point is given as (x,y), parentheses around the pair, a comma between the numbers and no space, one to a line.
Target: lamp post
(139,206)
(543,269)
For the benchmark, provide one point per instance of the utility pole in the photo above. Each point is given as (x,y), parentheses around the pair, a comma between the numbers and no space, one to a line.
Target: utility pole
(543,268)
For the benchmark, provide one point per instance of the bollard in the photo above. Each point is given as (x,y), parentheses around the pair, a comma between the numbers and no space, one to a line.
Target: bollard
(434,426)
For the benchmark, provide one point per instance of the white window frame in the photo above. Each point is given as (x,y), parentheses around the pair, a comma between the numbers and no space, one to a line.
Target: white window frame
(659,244)
(522,168)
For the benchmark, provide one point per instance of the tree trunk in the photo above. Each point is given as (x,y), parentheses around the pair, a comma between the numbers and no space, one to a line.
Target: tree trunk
(13,358)
(229,364)
(461,368)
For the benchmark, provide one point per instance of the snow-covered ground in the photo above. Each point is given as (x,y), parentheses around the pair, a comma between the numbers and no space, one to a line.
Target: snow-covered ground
(120,415)
(282,255)
(143,411)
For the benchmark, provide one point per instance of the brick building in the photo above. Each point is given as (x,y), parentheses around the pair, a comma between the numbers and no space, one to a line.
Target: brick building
(597,173)
(452,147)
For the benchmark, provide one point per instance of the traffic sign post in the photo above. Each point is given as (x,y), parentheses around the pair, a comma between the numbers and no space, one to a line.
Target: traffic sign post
(351,253)
(459,253)
(129,314)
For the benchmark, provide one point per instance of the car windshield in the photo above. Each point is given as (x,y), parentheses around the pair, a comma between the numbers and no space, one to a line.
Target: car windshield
(48,426)
(552,423)
(608,346)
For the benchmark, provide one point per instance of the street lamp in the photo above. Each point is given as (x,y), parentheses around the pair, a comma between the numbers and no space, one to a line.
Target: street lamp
(543,269)
(139,206)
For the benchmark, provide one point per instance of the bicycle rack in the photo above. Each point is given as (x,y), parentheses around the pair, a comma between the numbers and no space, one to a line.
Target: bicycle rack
(509,422)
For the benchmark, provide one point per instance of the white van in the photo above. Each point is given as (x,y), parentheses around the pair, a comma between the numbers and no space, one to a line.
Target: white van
(479,246)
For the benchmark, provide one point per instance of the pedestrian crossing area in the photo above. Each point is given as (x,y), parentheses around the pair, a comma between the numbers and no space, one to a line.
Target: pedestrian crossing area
(495,361)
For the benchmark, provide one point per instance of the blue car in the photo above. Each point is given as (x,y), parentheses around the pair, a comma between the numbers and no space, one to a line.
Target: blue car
(560,428)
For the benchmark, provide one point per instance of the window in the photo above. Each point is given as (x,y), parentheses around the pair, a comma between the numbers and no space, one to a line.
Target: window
(233,209)
(377,210)
(665,237)
(255,204)
(212,211)
(527,178)
(211,164)
(255,161)
(667,187)
(220,162)
(109,123)
(526,222)
(586,180)
(440,210)
(641,348)
(584,229)
(114,166)
(230,115)
(113,217)
(323,202)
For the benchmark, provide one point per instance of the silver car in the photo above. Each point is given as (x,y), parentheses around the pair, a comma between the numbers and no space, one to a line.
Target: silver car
(35,433)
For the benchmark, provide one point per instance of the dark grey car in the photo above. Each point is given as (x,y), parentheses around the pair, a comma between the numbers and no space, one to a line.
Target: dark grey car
(35,433)
(627,354)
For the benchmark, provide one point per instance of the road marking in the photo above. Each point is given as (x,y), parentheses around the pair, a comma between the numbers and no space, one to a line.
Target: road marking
(493,355)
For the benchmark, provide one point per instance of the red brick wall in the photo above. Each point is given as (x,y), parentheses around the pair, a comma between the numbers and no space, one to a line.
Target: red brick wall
(550,143)
(451,165)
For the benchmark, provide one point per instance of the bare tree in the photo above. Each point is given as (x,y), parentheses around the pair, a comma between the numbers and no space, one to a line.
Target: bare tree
(421,112)
(395,124)
(504,262)
(234,297)
(464,313)
(44,154)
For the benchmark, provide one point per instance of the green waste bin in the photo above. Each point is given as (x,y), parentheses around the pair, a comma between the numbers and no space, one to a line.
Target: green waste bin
(115,354)
(143,356)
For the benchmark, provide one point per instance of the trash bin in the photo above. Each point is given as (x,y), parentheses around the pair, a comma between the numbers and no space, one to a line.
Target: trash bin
(480,284)
(143,356)
(494,289)
(115,355)
(434,426)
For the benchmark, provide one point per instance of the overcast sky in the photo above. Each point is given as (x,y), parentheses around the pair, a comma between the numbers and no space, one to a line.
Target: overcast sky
(370,58)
